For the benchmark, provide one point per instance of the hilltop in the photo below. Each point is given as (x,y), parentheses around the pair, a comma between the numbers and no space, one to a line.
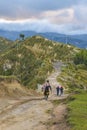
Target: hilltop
(79,40)
(30,61)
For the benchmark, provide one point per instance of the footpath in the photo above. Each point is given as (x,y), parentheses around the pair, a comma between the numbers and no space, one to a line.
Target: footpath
(35,113)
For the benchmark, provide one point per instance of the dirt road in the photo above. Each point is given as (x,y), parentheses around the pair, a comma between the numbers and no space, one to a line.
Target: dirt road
(30,115)
(33,113)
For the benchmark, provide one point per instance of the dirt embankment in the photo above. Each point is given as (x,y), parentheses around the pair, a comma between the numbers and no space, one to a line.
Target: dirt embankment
(13,89)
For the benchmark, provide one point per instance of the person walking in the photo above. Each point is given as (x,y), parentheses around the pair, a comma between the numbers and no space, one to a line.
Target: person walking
(57,90)
(61,90)
(46,89)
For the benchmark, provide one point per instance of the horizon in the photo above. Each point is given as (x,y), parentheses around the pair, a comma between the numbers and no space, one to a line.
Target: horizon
(79,40)
(42,32)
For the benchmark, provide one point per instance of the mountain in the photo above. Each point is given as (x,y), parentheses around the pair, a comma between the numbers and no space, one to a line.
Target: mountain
(76,40)
(14,35)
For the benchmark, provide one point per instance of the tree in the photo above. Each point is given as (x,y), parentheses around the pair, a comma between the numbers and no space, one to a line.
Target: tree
(81,57)
(22,36)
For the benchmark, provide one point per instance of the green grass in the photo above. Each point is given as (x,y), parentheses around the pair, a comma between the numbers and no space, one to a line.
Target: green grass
(73,77)
(56,102)
(77,117)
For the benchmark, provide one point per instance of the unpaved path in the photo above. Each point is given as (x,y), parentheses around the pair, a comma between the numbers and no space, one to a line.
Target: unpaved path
(34,113)
(27,116)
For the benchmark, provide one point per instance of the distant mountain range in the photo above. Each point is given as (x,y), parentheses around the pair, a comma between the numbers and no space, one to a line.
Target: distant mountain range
(76,40)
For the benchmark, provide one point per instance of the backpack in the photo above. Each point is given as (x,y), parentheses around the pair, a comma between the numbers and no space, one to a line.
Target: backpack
(47,88)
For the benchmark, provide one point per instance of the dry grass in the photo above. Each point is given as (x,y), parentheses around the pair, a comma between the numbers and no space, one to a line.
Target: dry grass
(13,89)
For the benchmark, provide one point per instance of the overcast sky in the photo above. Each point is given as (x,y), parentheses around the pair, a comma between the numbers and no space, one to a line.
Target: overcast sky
(62,16)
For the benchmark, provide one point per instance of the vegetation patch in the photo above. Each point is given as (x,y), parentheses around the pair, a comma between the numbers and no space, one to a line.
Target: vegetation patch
(49,111)
(30,60)
(57,102)
(73,77)
(77,116)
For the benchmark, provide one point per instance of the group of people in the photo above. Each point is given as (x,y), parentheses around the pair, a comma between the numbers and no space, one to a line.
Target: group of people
(47,89)
(59,90)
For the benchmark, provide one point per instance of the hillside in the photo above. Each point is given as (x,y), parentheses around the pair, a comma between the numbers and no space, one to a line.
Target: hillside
(5,44)
(74,75)
(30,61)
(12,88)
(76,40)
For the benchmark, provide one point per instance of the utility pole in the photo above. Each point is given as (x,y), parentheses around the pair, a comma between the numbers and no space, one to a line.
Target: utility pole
(66,39)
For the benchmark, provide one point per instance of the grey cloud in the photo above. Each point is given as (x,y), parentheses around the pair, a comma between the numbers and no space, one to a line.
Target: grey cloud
(36,9)
(14,8)
(73,27)
(45,26)
(81,13)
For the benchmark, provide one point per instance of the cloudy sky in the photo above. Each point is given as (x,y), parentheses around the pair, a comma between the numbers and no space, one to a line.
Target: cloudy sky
(62,16)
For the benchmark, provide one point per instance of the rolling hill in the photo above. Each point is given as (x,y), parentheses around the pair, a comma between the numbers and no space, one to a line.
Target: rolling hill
(76,40)
(30,61)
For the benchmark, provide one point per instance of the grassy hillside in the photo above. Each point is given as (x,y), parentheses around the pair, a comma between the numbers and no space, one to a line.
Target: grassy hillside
(74,77)
(5,44)
(74,74)
(31,60)
(77,111)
